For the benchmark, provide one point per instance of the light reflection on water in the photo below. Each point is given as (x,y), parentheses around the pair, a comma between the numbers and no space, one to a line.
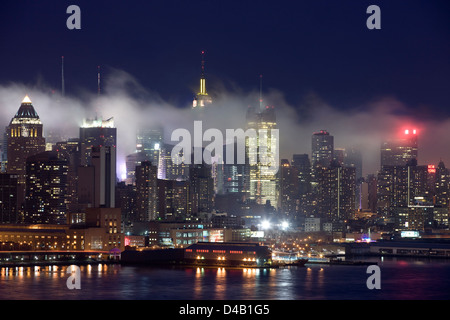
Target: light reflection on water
(400,280)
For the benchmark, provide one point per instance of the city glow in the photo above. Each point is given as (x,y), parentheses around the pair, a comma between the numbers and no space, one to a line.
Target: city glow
(266,224)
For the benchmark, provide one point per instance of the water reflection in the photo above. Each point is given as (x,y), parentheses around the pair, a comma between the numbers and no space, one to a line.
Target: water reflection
(413,280)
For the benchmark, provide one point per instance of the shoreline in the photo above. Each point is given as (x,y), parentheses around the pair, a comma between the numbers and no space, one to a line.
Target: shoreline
(14,264)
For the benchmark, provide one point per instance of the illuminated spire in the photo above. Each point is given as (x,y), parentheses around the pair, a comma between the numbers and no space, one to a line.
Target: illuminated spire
(26,99)
(260,93)
(202,98)
(202,78)
(63,89)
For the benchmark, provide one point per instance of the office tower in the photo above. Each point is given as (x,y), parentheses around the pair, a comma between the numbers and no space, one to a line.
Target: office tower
(24,139)
(402,187)
(4,152)
(108,223)
(235,175)
(170,170)
(353,158)
(202,99)
(442,186)
(400,150)
(150,141)
(70,151)
(201,188)
(322,147)
(372,184)
(263,182)
(96,132)
(289,192)
(336,192)
(104,161)
(126,200)
(146,192)
(46,189)
(339,154)
(8,198)
(303,165)
(96,182)
(173,199)
(133,160)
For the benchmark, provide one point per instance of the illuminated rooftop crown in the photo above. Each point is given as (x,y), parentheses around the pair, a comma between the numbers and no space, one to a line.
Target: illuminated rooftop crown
(26,113)
(98,123)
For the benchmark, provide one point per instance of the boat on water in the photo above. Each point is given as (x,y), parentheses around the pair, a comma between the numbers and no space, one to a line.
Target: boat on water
(296,263)
(205,254)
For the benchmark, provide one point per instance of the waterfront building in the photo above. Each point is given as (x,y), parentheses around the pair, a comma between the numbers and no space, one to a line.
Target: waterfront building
(8,198)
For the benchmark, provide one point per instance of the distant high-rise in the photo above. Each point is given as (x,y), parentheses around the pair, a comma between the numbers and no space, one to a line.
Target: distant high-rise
(24,139)
(402,186)
(96,132)
(201,188)
(150,141)
(303,165)
(147,192)
(322,149)
(442,185)
(400,150)
(263,180)
(288,188)
(97,182)
(202,99)
(8,198)
(46,189)
(336,196)
(132,161)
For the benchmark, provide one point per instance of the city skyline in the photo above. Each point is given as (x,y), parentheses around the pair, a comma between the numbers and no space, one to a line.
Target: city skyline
(245,150)
(357,89)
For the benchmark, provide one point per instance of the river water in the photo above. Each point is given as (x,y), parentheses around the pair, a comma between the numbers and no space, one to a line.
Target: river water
(408,279)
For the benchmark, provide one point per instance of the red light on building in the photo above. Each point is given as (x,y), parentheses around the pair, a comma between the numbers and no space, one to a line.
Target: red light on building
(407,131)
(431,168)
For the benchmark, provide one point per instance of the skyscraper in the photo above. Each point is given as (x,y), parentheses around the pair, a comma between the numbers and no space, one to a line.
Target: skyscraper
(201,188)
(147,192)
(263,179)
(288,184)
(24,139)
(336,197)
(202,99)
(8,198)
(303,165)
(96,132)
(150,141)
(401,149)
(322,147)
(97,182)
(46,189)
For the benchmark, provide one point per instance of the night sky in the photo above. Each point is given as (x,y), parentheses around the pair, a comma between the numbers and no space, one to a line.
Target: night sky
(316,57)
(298,46)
